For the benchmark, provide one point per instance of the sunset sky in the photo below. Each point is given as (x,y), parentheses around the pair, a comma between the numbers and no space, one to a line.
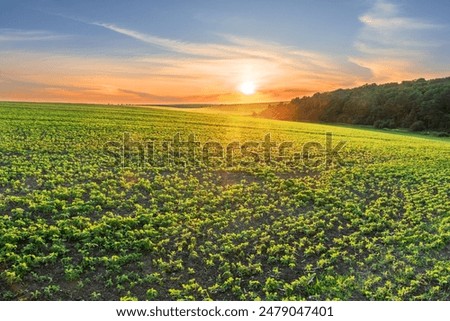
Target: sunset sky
(214,51)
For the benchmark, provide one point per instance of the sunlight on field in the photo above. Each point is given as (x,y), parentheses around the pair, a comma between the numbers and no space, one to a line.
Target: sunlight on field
(80,221)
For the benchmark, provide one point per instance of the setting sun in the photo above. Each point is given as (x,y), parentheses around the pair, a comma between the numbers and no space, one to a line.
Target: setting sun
(247,88)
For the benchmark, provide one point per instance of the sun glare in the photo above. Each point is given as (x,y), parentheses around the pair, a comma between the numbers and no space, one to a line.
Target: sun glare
(247,88)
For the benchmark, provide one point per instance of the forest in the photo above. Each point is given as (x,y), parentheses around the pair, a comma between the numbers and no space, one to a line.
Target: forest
(418,105)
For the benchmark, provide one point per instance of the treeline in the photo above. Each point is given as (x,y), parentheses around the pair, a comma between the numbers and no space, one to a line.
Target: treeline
(417,105)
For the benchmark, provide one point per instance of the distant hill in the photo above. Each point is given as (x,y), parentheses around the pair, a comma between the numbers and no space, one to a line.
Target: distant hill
(417,105)
(251,109)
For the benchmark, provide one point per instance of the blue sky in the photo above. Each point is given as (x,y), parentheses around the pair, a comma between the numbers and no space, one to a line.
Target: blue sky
(204,51)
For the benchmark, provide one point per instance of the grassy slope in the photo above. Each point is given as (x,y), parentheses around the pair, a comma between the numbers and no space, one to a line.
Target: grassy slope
(73,226)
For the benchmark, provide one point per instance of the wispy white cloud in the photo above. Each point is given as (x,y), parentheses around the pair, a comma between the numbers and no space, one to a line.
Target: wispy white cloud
(235,47)
(191,72)
(237,57)
(386,15)
(186,48)
(186,71)
(27,35)
(392,46)
(395,22)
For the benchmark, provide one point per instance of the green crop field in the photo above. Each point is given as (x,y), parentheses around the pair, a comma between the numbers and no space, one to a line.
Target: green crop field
(84,216)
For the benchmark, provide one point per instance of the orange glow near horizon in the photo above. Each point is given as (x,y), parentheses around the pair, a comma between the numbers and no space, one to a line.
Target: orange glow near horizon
(203,89)
(162,80)
(72,79)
